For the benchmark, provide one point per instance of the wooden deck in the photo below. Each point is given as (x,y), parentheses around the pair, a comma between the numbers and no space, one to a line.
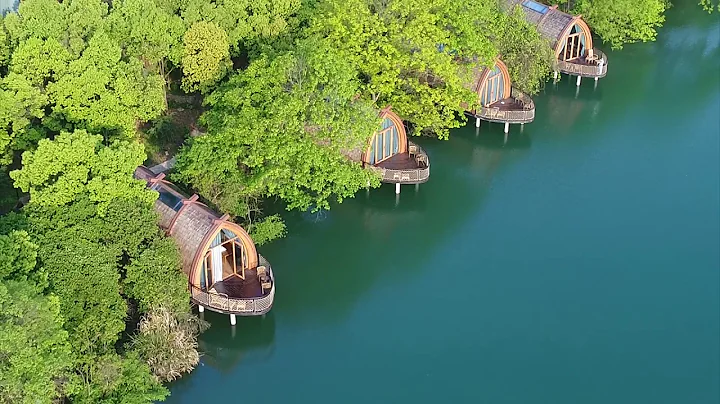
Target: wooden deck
(401,161)
(235,286)
(519,108)
(582,67)
(234,295)
(411,167)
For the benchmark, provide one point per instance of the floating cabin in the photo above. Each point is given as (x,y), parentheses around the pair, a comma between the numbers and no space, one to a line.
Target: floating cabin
(571,38)
(399,160)
(499,101)
(225,272)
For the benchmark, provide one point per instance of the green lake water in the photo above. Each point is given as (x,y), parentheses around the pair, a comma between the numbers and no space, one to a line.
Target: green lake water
(579,263)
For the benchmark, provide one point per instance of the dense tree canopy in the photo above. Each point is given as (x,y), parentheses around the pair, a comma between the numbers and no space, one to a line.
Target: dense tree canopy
(280,128)
(101,253)
(78,163)
(619,22)
(406,52)
(206,56)
(34,349)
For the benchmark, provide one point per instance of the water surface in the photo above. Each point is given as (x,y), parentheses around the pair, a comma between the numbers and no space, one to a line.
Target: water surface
(577,263)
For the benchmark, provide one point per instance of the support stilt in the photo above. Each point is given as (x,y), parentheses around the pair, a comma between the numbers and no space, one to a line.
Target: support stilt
(596,78)
(522,126)
(233,320)
(506,137)
(507,127)
(417,187)
(477,122)
(555,75)
(397,188)
(578,80)
(201,308)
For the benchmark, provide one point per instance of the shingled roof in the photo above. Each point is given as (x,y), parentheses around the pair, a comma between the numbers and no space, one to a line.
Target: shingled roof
(551,24)
(186,220)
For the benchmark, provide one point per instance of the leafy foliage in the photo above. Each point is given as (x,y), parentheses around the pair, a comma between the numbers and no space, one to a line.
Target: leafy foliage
(242,20)
(267,229)
(34,350)
(76,163)
(279,129)
(619,22)
(395,48)
(527,55)
(18,260)
(206,58)
(99,246)
(168,343)
(152,278)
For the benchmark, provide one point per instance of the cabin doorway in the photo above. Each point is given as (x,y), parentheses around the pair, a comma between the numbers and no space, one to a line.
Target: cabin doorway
(385,143)
(574,44)
(226,257)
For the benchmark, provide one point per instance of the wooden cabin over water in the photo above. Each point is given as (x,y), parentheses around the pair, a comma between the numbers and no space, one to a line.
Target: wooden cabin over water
(225,272)
(571,39)
(399,160)
(499,101)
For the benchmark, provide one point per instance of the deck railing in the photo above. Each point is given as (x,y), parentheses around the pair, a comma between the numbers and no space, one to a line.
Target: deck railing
(235,305)
(524,114)
(585,70)
(409,176)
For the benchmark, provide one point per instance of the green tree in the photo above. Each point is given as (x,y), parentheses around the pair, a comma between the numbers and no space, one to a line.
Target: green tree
(147,31)
(34,351)
(101,249)
(242,20)
(283,128)
(206,56)
(87,79)
(527,55)
(407,53)
(152,274)
(4,44)
(619,22)
(76,163)
(18,260)
(113,379)
(124,94)
(21,105)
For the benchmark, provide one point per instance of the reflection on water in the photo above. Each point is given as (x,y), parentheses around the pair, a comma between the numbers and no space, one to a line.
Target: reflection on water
(223,347)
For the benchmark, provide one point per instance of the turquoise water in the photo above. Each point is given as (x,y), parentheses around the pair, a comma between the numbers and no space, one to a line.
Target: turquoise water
(577,263)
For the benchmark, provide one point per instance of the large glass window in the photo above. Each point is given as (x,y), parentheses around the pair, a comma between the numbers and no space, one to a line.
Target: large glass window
(494,87)
(385,143)
(574,44)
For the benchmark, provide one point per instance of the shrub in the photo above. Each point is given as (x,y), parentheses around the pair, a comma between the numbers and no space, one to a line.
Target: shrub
(168,342)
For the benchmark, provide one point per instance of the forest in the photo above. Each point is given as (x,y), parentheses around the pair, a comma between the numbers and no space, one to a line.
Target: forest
(260,100)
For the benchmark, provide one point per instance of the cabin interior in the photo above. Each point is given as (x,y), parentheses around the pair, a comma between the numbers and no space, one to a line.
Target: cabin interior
(225,269)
